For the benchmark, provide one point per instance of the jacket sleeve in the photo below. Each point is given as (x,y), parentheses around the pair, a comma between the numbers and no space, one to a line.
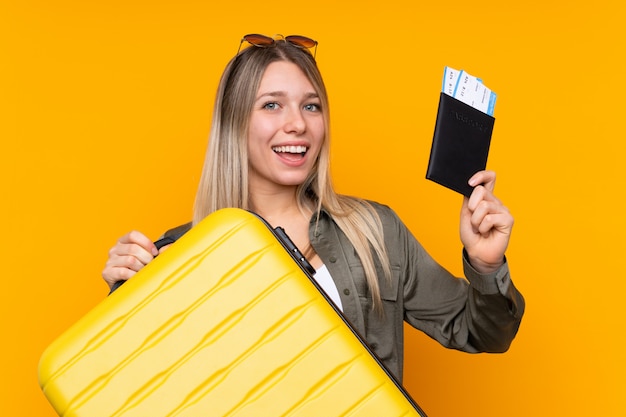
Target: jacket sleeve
(478,313)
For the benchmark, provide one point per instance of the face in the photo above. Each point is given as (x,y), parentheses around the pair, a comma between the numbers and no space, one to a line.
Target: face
(286,129)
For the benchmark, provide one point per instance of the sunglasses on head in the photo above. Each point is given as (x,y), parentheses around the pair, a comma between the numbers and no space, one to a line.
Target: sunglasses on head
(263,41)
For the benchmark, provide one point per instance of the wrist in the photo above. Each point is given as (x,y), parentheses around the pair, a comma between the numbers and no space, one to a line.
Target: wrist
(482,266)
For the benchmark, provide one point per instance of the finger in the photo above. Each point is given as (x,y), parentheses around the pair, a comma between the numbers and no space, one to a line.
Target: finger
(122,250)
(485,204)
(164,248)
(126,261)
(479,195)
(122,267)
(113,274)
(485,178)
(501,222)
(138,238)
(488,216)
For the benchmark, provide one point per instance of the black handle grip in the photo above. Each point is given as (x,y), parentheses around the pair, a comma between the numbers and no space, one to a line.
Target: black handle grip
(293,249)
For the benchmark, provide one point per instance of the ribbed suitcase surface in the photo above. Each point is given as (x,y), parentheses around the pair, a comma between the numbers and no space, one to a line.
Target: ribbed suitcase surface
(223,323)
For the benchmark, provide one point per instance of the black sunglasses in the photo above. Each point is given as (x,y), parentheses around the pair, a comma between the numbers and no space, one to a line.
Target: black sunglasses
(263,41)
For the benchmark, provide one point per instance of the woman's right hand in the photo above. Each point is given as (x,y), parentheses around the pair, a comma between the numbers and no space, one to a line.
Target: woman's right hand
(132,252)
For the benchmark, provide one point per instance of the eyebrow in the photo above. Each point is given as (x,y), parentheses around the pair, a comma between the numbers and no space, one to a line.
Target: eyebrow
(284,93)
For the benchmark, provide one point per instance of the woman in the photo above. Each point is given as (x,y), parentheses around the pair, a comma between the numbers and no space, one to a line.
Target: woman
(269,153)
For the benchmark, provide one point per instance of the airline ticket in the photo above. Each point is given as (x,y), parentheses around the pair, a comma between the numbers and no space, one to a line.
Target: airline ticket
(469,90)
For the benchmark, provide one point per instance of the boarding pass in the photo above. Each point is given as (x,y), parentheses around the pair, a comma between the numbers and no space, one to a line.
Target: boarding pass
(469,90)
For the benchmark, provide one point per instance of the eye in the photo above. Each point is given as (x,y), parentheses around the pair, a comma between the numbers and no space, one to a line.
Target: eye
(314,107)
(272,105)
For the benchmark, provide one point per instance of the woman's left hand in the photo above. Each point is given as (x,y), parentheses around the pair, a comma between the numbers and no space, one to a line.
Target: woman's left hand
(485,224)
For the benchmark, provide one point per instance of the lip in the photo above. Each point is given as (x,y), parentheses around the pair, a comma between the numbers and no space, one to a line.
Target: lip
(287,153)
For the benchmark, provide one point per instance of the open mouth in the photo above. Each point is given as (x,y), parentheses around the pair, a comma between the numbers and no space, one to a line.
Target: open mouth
(290,150)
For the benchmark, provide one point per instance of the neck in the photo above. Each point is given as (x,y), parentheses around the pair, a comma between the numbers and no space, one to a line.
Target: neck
(280,208)
(276,204)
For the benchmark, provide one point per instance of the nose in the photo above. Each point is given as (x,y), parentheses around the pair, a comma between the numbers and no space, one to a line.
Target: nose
(295,122)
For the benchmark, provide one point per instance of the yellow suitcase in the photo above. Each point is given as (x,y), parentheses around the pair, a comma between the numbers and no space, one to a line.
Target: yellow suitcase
(227,322)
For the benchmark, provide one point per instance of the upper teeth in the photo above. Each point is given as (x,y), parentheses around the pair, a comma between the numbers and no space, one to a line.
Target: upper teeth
(290,149)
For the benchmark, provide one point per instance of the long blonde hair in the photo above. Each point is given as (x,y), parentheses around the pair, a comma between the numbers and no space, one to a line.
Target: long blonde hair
(224,179)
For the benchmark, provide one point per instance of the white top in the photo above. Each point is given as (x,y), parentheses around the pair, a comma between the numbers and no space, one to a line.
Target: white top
(323,278)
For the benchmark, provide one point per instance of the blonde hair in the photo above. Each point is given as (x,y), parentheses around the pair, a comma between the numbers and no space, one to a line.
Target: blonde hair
(224,179)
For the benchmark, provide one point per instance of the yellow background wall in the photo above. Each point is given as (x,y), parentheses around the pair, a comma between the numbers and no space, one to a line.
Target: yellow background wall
(105,109)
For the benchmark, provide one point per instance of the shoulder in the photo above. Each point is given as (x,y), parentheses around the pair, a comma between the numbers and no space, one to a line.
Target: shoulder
(381,209)
(349,203)
(387,215)
(384,213)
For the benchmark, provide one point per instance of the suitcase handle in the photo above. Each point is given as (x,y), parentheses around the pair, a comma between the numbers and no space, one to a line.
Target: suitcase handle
(279,232)
(159,244)
(293,250)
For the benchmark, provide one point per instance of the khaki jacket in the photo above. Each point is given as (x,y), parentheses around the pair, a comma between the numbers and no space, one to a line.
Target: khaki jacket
(479,314)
